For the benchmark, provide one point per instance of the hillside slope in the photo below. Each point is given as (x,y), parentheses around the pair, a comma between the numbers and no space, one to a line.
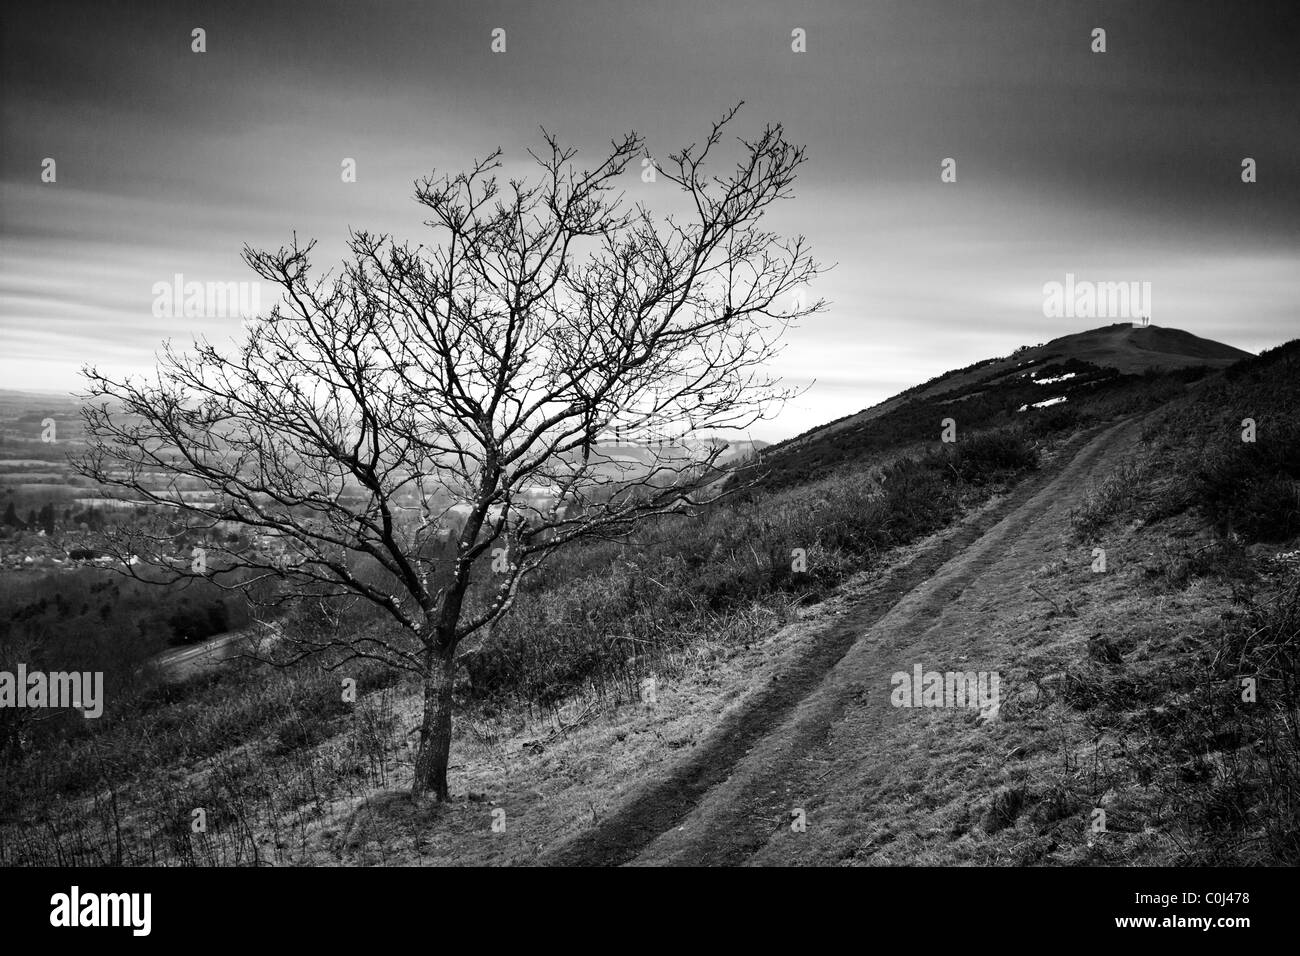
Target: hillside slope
(1120,686)
(1085,375)
(843,739)
(1120,347)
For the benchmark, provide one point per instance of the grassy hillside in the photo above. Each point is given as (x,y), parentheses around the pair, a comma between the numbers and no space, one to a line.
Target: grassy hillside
(1191,692)
(1120,348)
(557,720)
(1090,374)
(268,746)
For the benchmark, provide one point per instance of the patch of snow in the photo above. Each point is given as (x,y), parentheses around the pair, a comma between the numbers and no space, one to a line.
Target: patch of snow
(1059,378)
(1044,404)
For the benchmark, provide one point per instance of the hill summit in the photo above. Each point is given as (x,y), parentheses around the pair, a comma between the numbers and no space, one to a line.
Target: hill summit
(1123,347)
(1059,379)
(1128,348)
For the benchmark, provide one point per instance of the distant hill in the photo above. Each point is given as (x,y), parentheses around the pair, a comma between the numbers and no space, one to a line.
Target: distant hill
(627,460)
(1121,347)
(1058,376)
(1130,349)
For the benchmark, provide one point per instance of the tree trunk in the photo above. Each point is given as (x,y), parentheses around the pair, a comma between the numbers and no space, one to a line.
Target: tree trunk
(435,732)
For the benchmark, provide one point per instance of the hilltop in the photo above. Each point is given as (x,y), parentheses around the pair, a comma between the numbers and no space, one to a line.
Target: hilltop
(1055,378)
(1121,347)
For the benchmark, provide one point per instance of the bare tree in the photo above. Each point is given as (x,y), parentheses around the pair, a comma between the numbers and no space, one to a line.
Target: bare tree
(556,367)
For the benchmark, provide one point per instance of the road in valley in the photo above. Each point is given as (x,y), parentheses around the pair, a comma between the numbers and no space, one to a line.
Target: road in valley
(183,662)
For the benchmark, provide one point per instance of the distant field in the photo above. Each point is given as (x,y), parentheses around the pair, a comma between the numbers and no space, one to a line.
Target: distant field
(48,488)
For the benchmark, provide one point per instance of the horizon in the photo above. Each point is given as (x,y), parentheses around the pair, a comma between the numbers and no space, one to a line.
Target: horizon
(778,439)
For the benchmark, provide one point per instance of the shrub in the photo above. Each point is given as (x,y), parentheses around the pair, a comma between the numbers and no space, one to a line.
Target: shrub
(1112,498)
(992,455)
(1248,490)
(1238,763)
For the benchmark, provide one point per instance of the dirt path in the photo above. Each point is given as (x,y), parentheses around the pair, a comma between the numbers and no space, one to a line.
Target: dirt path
(728,802)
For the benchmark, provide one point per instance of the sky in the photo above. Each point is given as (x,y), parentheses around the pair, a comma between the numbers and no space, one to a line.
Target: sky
(1123,165)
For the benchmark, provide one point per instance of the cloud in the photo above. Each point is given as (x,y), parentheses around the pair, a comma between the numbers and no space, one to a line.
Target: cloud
(1114,166)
